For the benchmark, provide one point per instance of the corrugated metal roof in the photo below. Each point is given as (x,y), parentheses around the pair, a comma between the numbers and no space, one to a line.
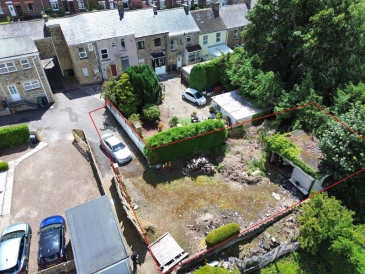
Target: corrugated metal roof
(101,25)
(234,16)
(15,46)
(33,28)
(95,237)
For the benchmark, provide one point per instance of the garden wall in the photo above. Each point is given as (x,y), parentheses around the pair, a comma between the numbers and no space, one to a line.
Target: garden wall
(135,137)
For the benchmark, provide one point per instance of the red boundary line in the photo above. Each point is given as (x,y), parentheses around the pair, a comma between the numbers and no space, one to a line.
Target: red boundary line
(107,101)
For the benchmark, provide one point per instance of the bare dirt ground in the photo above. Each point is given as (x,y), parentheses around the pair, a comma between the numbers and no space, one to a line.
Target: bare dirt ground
(190,207)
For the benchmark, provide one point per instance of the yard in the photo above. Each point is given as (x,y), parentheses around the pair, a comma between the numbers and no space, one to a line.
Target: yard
(189,207)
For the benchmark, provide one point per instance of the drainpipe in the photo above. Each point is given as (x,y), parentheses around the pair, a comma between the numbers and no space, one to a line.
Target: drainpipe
(40,80)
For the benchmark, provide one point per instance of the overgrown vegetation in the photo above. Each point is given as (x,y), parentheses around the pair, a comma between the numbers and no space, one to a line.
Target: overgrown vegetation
(220,234)
(4,166)
(12,136)
(207,269)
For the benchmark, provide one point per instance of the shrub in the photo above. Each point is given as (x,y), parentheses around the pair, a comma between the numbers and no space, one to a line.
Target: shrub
(221,168)
(174,121)
(26,16)
(207,269)
(12,136)
(160,126)
(61,12)
(151,112)
(258,122)
(134,118)
(219,235)
(9,19)
(4,166)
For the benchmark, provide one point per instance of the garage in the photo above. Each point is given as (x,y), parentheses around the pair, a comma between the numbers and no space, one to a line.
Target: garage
(97,243)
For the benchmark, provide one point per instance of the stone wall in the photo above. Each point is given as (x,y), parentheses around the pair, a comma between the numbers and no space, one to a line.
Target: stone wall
(172,54)
(149,47)
(45,48)
(231,41)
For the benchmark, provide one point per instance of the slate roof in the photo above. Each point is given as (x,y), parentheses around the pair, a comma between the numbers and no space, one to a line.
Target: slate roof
(15,46)
(33,28)
(234,16)
(101,25)
(206,21)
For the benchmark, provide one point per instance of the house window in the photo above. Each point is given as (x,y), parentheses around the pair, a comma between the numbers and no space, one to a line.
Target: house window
(194,56)
(125,62)
(218,37)
(85,72)
(122,43)
(205,39)
(102,5)
(90,47)
(207,3)
(157,42)
(81,4)
(82,53)
(54,5)
(25,64)
(1,10)
(188,38)
(140,44)
(7,67)
(31,85)
(104,54)
(30,6)
(159,62)
(173,44)
(162,4)
(113,45)
(235,34)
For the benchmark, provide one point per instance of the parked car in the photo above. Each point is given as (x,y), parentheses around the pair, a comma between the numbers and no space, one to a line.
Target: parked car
(194,96)
(52,242)
(14,249)
(116,149)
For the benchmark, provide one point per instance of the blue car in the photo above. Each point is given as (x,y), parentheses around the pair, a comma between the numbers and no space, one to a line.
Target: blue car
(52,242)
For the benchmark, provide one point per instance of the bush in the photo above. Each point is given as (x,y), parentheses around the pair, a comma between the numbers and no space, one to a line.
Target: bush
(12,136)
(174,121)
(219,235)
(61,12)
(258,122)
(151,112)
(26,16)
(134,118)
(4,166)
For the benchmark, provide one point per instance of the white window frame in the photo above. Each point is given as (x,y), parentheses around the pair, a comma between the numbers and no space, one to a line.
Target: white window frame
(189,39)
(90,47)
(7,67)
(1,10)
(142,45)
(101,54)
(81,4)
(54,5)
(173,44)
(205,39)
(122,43)
(218,36)
(31,85)
(25,64)
(235,34)
(82,53)
(85,72)
(196,54)
(113,45)
(32,6)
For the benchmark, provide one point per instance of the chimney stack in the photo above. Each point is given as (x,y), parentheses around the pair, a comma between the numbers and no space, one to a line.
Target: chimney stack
(215,8)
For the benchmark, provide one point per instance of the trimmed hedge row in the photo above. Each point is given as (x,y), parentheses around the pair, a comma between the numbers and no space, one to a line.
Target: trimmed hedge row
(219,235)
(279,144)
(4,166)
(180,142)
(12,136)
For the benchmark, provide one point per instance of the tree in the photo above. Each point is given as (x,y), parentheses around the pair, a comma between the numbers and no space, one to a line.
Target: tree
(327,228)
(348,97)
(145,84)
(343,154)
(108,90)
(296,37)
(198,78)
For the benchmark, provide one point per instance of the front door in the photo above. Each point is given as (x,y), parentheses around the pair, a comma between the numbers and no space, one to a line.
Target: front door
(179,61)
(11,8)
(114,70)
(14,93)
(111,4)
(19,10)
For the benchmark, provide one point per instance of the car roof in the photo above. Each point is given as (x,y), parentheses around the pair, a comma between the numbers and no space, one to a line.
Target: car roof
(15,227)
(9,251)
(191,90)
(56,219)
(112,140)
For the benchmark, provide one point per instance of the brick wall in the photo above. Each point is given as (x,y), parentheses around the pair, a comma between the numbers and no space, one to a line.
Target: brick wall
(21,8)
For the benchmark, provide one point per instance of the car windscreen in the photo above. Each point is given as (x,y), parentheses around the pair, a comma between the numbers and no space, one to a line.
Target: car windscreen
(198,95)
(50,240)
(118,147)
(11,235)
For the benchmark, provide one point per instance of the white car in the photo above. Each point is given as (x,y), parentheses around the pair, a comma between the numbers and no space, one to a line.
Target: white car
(194,96)
(116,149)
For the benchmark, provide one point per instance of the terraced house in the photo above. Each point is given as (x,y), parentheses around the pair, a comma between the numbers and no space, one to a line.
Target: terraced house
(23,83)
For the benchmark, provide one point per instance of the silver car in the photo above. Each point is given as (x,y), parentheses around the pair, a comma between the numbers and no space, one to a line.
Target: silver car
(194,96)
(14,249)
(119,152)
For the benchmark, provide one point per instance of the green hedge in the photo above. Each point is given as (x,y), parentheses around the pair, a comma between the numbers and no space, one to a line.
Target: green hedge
(12,136)
(180,142)
(279,144)
(4,166)
(258,115)
(219,235)
(207,269)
